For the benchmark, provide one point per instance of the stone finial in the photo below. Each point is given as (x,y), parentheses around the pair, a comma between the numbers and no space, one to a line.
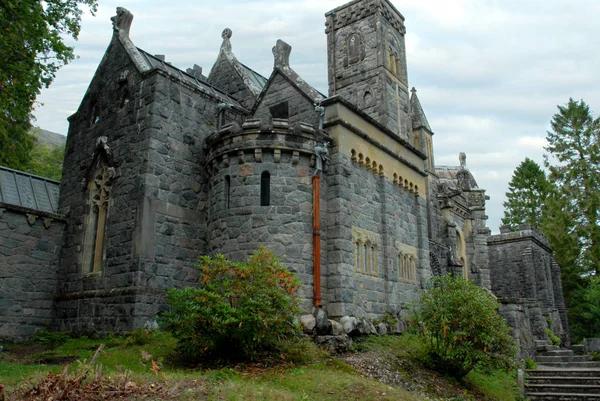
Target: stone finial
(413,90)
(226,35)
(122,21)
(281,53)
(462,158)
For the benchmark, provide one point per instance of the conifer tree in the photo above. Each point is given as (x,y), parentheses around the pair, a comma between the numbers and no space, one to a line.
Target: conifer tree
(574,165)
(527,192)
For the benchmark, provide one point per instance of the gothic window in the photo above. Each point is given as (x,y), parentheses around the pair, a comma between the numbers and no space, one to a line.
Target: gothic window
(265,189)
(357,255)
(99,192)
(227,190)
(364,257)
(367,99)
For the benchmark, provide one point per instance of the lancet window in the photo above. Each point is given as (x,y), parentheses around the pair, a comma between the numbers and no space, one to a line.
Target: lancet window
(99,188)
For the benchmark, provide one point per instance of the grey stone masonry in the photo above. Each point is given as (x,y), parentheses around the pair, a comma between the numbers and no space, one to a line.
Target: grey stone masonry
(367,61)
(30,243)
(523,272)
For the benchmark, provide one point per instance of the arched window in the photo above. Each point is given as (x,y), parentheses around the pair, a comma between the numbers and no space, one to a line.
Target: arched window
(357,255)
(99,191)
(373,257)
(364,257)
(227,190)
(265,189)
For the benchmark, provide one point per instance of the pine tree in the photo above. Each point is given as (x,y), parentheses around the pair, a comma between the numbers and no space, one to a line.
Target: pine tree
(527,192)
(574,165)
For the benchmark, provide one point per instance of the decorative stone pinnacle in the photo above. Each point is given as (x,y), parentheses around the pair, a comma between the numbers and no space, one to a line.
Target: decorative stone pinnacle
(281,53)
(122,21)
(413,90)
(462,158)
(226,35)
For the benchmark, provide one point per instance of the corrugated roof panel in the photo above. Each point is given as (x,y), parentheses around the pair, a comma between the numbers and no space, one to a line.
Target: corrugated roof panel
(26,190)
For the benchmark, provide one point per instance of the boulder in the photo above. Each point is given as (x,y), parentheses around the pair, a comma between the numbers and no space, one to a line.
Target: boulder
(382,329)
(349,323)
(308,323)
(336,328)
(322,323)
(334,344)
(592,344)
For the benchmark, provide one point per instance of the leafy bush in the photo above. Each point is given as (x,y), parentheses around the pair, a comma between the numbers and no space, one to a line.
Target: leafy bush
(554,340)
(239,309)
(530,364)
(461,328)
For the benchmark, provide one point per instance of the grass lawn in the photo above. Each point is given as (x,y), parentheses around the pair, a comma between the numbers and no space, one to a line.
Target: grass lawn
(146,361)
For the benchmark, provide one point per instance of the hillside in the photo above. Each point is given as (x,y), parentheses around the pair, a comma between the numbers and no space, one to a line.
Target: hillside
(48,137)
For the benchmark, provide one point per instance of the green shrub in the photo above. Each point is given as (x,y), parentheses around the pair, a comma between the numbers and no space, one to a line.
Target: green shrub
(554,340)
(461,328)
(238,310)
(530,364)
(50,340)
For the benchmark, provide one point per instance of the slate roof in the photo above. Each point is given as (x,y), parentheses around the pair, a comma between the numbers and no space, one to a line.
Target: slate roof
(27,190)
(157,63)
(256,78)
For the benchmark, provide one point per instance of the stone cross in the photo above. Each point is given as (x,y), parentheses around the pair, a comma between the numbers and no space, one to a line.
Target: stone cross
(226,35)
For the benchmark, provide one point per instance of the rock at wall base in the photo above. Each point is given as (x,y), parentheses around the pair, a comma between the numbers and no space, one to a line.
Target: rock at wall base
(334,344)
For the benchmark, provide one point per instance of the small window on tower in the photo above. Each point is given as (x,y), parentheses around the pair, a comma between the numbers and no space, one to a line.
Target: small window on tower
(265,189)
(280,110)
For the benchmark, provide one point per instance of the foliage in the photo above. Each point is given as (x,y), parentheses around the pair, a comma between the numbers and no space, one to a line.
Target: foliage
(46,161)
(32,49)
(527,192)
(530,364)
(50,340)
(238,310)
(554,340)
(461,327)
(584,317)
(574,165)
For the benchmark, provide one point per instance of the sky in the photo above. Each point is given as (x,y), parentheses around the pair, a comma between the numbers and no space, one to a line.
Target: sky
(489,73)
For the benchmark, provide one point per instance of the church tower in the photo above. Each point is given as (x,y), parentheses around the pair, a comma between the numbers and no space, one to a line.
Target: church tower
(367,61)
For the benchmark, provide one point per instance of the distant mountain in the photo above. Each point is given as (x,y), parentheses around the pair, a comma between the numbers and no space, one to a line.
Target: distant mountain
(49,138)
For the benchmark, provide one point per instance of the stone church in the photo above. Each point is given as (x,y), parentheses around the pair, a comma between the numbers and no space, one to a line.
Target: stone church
(164,165)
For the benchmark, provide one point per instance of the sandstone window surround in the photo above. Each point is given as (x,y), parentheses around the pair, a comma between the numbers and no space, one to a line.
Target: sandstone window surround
(99,188)
(366,246)
(406,263)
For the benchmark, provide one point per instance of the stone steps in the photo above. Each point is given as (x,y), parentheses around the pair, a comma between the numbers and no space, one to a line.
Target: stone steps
(574,384)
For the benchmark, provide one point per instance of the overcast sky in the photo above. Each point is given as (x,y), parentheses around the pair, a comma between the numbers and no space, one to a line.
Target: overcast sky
(489,73)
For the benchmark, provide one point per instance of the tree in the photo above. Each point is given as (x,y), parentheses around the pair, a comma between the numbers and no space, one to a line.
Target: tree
(574,165)
(46,161)
(527,192)
(461,327)
(32,49)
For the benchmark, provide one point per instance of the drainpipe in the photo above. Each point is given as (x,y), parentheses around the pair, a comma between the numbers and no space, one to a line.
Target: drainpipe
(317,240)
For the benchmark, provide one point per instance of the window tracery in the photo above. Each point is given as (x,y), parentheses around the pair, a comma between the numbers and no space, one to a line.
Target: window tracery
(99,187)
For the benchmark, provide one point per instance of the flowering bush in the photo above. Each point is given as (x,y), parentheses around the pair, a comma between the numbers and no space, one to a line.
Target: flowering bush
(238,310)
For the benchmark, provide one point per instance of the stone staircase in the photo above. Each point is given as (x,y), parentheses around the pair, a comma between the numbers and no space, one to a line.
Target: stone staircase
(560,375)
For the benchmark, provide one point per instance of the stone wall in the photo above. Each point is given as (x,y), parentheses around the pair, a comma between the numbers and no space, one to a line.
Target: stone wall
(238,224)
(388,216)
(29,255)
(279,91)
(524,273)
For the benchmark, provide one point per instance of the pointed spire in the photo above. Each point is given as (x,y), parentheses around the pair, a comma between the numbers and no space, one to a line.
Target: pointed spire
(419,120)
